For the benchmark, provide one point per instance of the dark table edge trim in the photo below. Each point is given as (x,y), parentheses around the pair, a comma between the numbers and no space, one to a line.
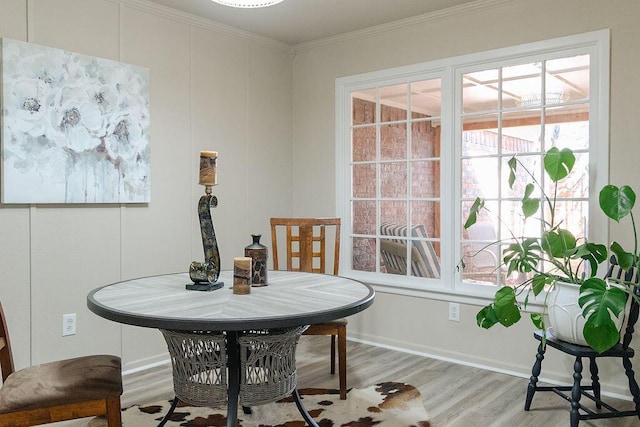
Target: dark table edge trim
(181,324)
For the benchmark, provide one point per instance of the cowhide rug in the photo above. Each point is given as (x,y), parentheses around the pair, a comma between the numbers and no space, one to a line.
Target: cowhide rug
(387,404)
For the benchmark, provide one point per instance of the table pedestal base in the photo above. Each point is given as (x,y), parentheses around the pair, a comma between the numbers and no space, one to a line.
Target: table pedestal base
(302,409)
(170,412)
(260,368)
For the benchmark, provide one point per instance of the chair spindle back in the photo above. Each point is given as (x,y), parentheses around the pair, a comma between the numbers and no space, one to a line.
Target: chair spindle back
(632,276)
(306,241)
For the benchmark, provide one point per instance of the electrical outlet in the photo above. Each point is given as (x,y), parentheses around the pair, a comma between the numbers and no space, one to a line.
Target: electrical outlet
(68,324)
(454,311)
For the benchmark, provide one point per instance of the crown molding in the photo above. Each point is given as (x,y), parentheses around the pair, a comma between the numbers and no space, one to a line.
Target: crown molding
(199,22)
(211,25)
(449,12)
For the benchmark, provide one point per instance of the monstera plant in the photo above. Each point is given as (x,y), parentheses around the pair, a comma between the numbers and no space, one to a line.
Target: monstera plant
(556,255)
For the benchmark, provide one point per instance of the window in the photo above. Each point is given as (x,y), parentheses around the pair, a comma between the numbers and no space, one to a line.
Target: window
(395,175)
(417,144)
(522,109)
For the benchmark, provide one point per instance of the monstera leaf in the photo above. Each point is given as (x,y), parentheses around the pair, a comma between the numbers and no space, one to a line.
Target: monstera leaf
(477,206)
(503,310)
(558,243)
(522,256)
(530,205)
(487,317)
(506,307)
(599,302)
(558,163)
(594,254)
(616,203)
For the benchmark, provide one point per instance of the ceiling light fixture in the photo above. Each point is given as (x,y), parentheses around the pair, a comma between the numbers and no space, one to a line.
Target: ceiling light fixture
(550,98)
(246,4)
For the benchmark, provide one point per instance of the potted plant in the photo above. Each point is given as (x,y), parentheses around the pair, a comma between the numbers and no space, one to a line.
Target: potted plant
(556,256)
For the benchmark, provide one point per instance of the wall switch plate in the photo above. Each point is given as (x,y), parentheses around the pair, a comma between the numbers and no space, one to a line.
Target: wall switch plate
(454,311)
(68,324)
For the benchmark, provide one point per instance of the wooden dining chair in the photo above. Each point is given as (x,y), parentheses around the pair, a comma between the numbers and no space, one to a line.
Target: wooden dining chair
(306,250)
(58,391)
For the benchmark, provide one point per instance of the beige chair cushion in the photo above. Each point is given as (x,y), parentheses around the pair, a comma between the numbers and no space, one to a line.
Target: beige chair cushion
(79,379)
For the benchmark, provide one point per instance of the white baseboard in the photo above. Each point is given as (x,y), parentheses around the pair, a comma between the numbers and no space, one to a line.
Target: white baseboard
(145,364)
(490,368)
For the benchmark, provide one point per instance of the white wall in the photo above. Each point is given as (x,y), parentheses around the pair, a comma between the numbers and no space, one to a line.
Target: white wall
(420,324)
(210,89)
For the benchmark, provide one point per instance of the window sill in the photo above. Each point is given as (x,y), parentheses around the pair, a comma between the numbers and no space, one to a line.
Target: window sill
(435,289)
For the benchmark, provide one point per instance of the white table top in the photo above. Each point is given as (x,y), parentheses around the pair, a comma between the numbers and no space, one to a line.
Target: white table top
(290,299)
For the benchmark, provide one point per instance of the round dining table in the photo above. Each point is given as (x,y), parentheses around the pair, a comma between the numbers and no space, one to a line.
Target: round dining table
(290,300)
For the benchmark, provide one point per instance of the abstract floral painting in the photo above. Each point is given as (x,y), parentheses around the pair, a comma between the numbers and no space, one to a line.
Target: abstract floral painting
(75,129)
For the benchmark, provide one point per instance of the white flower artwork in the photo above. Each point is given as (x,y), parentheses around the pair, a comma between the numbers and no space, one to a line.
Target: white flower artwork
(75,129)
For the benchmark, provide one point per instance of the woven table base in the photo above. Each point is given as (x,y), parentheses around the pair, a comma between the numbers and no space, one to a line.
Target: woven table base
(199,363)
(268,364)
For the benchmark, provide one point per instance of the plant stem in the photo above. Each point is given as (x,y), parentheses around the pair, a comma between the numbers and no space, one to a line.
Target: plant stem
(635,239)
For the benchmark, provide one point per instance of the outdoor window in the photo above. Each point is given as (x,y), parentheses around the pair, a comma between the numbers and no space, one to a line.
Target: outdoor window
(416,145)
(522,109)
(395,171)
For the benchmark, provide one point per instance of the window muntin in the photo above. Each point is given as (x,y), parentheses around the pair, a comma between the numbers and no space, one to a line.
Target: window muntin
(526,124)
(585,82)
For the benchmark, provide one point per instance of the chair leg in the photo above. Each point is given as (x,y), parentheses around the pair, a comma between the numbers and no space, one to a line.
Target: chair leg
(576,392)
(533,380)
(113,412)
(595,381)
(333,354)
(633,385)
(342,360)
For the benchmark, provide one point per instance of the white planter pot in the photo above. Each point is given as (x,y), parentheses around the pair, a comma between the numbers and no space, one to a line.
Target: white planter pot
(565,314)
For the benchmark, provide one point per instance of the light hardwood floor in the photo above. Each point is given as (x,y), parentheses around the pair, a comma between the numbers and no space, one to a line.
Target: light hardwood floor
(454,395)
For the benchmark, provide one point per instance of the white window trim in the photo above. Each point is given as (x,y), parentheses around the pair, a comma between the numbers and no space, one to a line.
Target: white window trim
(449,286)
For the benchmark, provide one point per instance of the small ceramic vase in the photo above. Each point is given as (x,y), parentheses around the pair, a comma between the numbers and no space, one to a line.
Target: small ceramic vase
(258,253)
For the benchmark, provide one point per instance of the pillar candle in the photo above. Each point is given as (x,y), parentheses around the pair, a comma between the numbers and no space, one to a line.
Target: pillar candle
(208,173)
(242,275)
